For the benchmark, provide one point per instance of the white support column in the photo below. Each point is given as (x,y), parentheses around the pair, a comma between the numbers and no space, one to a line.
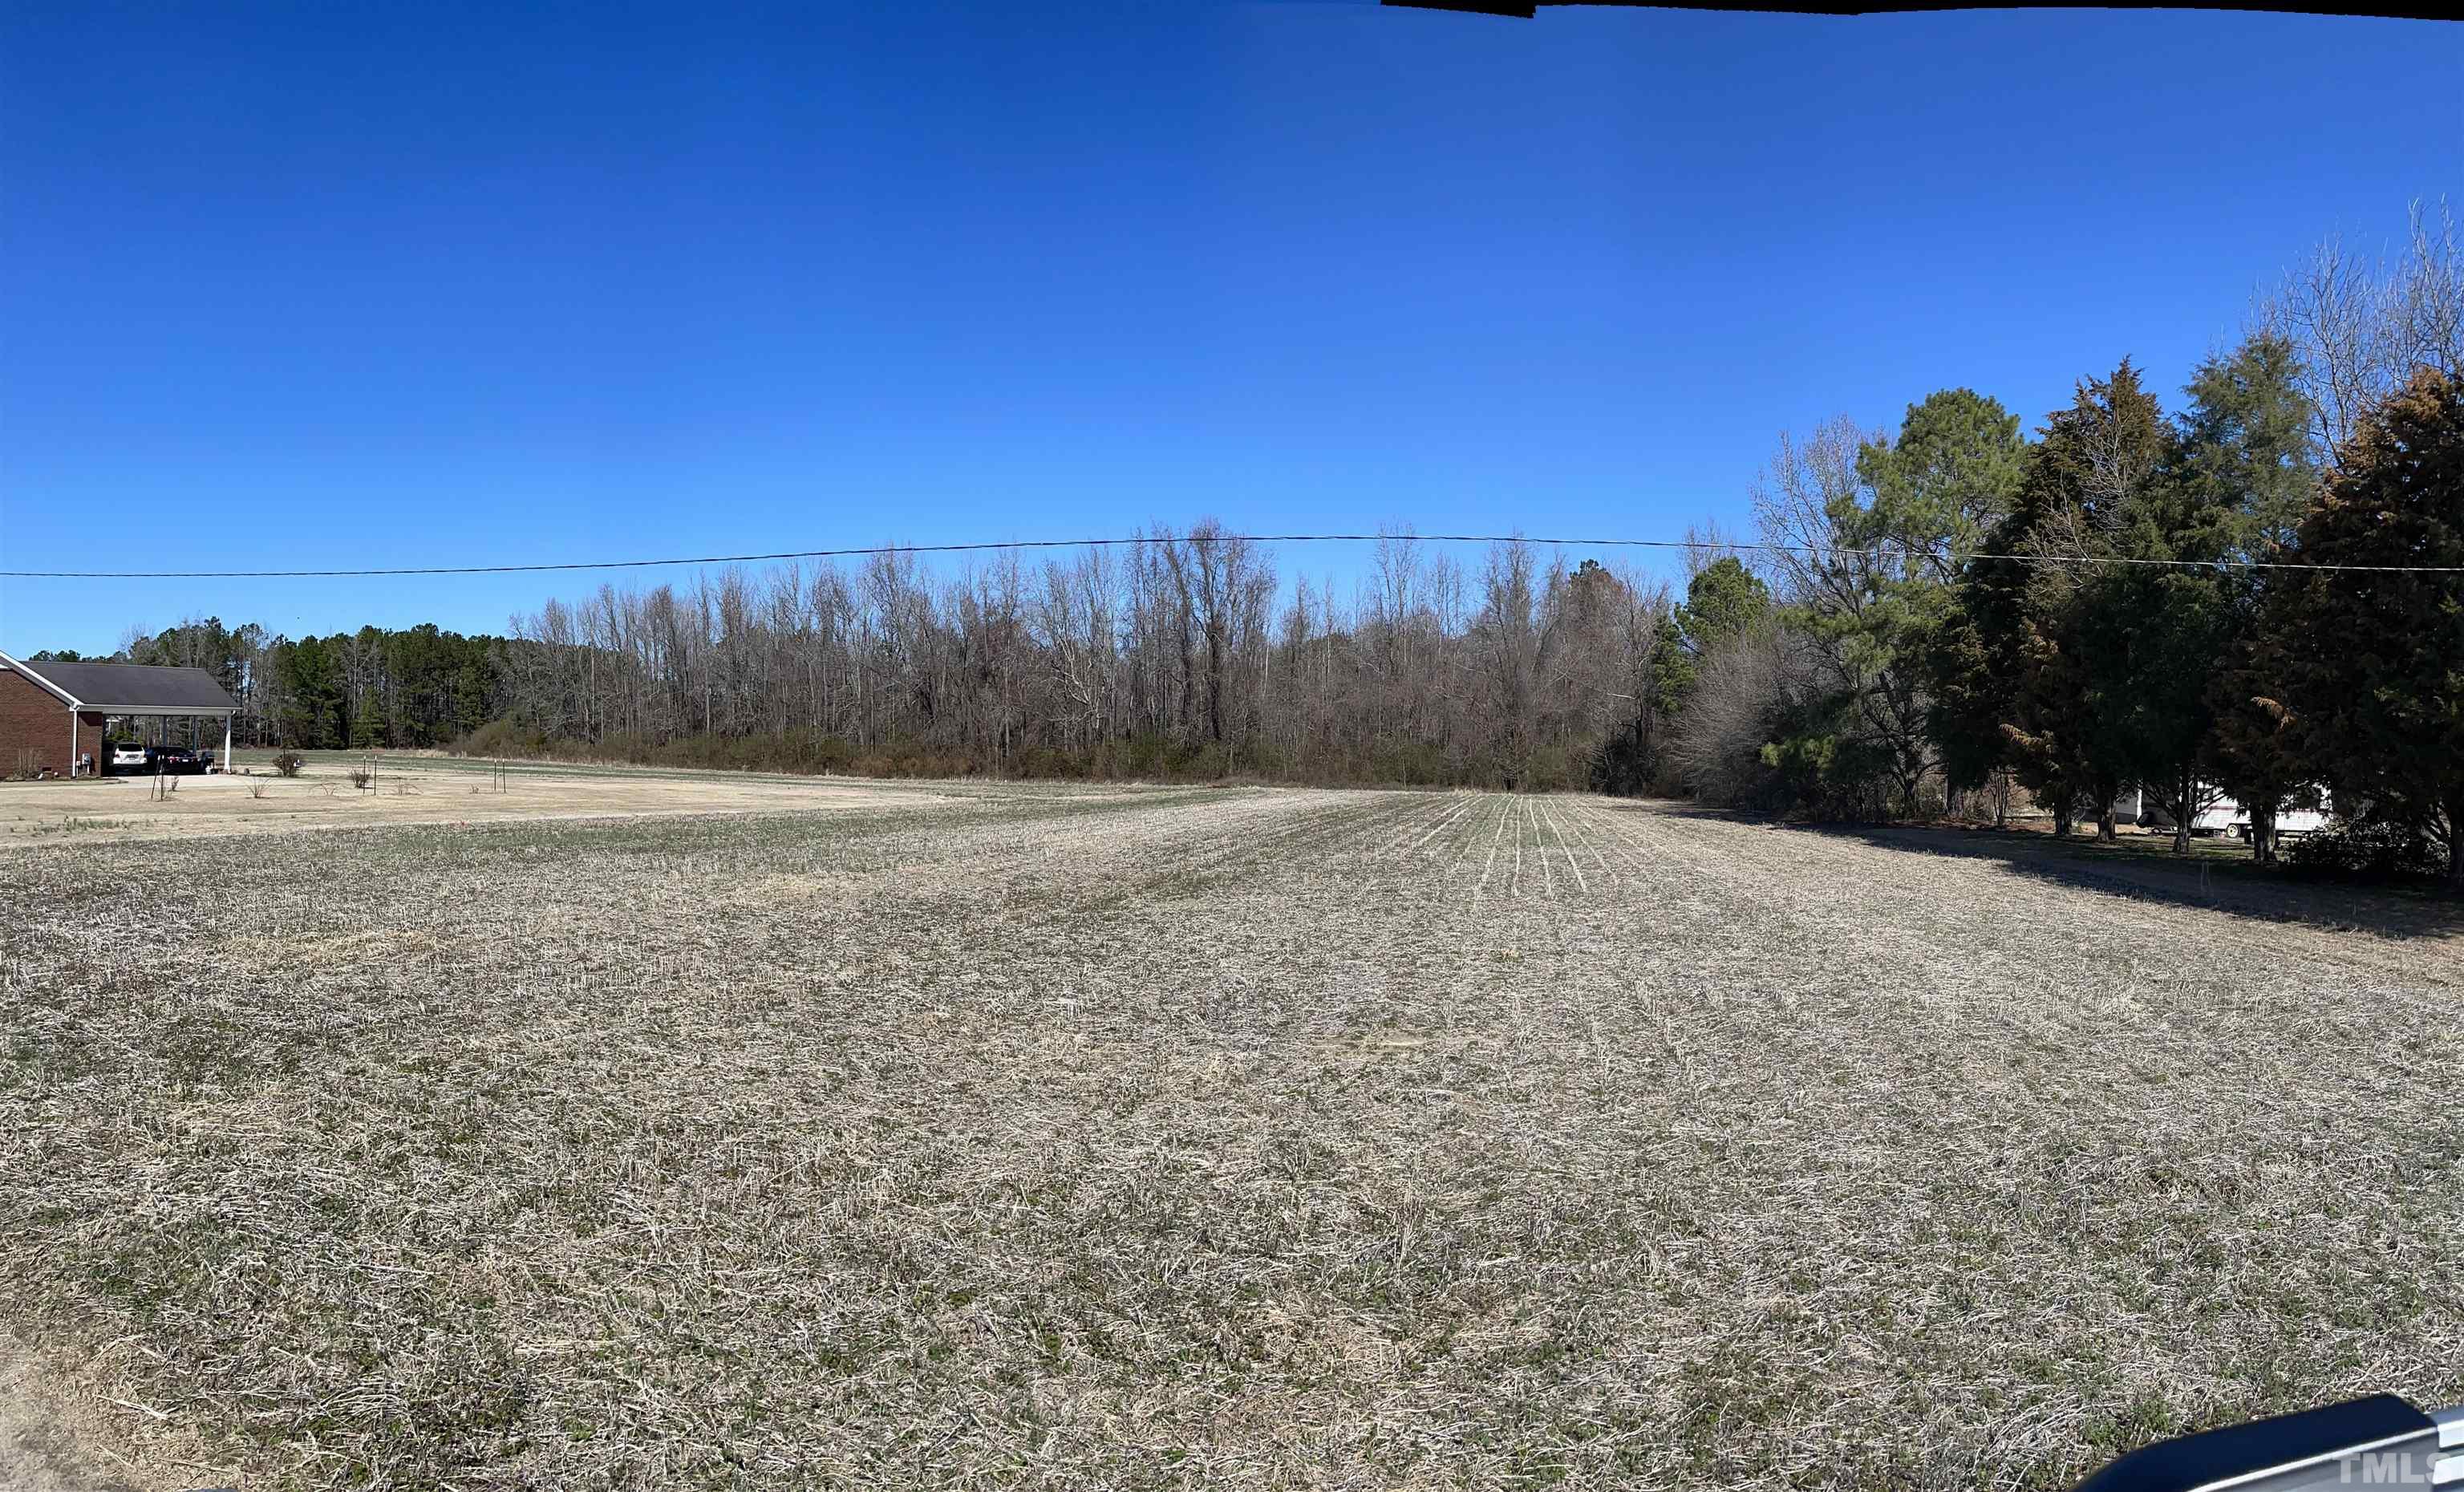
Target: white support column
(73,725)
(226,761)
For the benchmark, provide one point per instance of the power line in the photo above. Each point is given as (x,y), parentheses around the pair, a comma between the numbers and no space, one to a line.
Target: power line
(1719,546)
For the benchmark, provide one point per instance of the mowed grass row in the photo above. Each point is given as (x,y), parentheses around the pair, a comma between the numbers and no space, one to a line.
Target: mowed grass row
(1255,1138)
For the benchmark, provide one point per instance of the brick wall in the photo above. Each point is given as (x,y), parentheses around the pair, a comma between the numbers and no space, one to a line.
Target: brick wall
(34,728)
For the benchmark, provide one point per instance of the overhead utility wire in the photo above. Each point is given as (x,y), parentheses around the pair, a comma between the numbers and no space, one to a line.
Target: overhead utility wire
(1714,545)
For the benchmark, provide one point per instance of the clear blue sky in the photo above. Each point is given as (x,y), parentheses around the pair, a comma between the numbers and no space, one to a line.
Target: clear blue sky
(295,286)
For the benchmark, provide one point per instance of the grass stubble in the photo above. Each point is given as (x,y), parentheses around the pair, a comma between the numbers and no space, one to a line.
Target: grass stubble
(1251,1138)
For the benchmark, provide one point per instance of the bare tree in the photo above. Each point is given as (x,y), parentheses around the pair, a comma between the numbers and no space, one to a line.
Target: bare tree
(1708,544)
(1717,743)
(1184,640)
(2362,326)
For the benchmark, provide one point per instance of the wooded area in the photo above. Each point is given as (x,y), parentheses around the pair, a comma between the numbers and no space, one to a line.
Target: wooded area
(2258,598)
(1179,654)
(1933,617)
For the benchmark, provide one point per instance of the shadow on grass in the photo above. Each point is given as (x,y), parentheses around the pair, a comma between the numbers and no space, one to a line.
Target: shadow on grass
(2213,878)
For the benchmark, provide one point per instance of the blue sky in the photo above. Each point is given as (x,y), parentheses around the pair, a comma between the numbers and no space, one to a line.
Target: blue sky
(316,285)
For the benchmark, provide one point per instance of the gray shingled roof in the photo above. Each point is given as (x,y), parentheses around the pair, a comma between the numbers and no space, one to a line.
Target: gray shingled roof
(133,686)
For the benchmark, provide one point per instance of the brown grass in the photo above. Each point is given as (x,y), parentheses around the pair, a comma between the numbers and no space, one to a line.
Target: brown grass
(1253,1138)
(413,790)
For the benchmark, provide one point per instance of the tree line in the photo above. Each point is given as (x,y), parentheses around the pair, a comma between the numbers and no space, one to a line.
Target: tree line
(1952,615)
(2253,598)
(1179,654)
(417,686)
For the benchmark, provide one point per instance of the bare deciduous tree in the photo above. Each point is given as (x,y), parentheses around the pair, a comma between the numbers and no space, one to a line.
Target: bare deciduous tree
(2362,326)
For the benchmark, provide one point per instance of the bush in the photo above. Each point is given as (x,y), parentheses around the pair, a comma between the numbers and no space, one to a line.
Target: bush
(2370,848)
(288,763)
(501,738)
(359,777)
(1630,763)
(1818,771)
(1412,764)
(1768,729)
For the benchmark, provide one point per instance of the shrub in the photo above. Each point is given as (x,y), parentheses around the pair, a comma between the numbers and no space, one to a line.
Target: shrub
(2372,848)
(359,777)
(503,738)
(288,763)
(1412,764)
(1767,729)
(1629,763)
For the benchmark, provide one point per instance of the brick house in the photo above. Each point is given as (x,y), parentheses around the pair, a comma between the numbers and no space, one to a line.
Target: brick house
(52,714)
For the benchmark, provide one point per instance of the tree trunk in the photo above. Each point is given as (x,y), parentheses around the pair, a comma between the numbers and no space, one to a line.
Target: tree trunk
(2184,807)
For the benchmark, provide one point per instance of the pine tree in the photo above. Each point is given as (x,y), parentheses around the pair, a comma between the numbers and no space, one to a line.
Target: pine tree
(1934,493)
(1725,601)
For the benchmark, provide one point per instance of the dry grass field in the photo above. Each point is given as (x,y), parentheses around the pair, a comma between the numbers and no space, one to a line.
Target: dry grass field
(409,789)
(1195,1138)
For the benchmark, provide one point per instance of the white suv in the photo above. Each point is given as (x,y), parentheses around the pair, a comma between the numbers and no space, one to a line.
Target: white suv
(127,756)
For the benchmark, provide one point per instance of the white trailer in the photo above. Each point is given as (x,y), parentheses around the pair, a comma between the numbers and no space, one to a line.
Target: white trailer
(2290,822)
(2144,810)
(2224,816)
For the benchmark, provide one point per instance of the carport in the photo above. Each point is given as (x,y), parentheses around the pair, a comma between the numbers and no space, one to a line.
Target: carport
(33,697)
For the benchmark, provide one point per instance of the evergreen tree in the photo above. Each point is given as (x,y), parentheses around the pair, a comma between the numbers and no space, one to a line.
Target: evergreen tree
(2372,662)
(2055,658)
(1723,601)
(2246,441)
